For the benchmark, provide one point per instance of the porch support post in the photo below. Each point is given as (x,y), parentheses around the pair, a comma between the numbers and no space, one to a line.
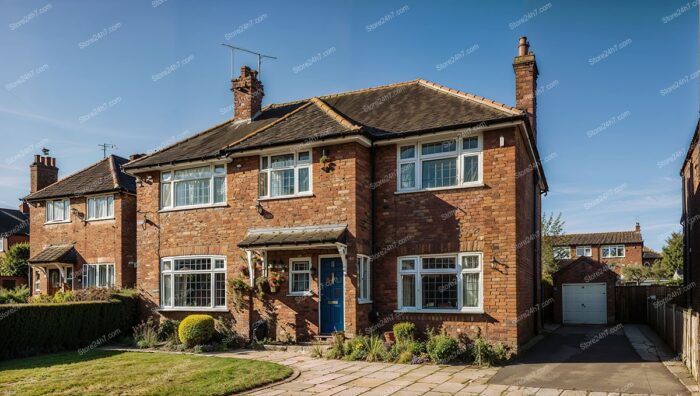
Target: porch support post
(251,276)
(343,252)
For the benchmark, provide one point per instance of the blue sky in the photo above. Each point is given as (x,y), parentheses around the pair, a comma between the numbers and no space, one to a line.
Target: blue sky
(616,112)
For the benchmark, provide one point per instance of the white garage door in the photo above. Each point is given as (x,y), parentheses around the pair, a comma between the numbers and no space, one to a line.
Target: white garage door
(585,303)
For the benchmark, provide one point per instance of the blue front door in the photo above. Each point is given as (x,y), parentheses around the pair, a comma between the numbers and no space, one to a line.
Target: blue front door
(331,286)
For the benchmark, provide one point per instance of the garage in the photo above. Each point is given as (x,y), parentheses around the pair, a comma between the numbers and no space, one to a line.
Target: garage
(584,303)
(584,292)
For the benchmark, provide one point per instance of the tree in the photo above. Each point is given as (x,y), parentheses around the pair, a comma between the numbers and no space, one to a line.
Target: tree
(552,231)
(637,273)
(672,254)
(15,261)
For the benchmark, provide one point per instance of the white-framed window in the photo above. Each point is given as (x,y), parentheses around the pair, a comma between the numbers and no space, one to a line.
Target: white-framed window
(562,252)
(613,251)
(300,276)
(37,282)
(453,162)
(285,175)
(2,244)
(58,211)
(193,187)
(584,251)
(99,208)
(69,276)
(364,278)
(98,275)
(193,282)
(441,283)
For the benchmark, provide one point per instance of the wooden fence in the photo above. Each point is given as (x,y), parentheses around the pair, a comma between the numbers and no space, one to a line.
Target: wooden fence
(630,300)
(678,326)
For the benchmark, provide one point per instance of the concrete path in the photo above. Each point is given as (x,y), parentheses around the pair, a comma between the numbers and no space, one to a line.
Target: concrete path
(593,358)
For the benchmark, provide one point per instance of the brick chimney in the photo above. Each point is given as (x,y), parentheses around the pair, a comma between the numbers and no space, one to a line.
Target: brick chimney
(24,208)
(525,68)
(43,172)
(637,228)
(247,94)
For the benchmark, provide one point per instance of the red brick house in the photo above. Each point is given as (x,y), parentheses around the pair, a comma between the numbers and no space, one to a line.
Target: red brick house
(14,228)
(83,226)
(690,174)
(405,202)
(616,249)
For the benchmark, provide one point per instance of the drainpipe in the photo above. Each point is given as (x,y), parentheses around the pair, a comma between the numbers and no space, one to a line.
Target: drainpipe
(535,251)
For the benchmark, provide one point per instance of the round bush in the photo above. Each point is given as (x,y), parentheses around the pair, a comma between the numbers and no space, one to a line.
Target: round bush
(196,330)
(442,349)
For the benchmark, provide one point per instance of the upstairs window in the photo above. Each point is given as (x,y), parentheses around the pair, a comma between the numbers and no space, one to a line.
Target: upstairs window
(58,211)
(100,208)
(440,164)
(613,251)
(562,252)
(584,251)
(285,175)
(193,187)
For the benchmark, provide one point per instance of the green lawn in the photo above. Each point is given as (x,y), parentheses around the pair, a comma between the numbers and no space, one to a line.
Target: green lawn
(134,373)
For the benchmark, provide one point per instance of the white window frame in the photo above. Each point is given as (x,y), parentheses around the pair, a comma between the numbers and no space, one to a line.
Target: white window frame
(37,282)
(173,181)
(586,249)
(172,272)
(459,154)
(110,207)
(364,268)
(267,172)
(558,256)
(66,211)
(608,247)
(458,271)
(2,244)
(97,266)
(293,272)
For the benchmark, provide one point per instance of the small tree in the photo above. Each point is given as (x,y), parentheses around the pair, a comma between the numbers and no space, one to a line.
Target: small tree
(672,255)
(552,230)
(15,261)
(636,273)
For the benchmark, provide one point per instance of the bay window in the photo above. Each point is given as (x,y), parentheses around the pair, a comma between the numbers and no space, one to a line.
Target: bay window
(58,211)
(285,175)
(100,207)
(446,163)
(300,276)
(193,187)
(98,275)
(613,251)
(193,282)
(437,283)
(364,278)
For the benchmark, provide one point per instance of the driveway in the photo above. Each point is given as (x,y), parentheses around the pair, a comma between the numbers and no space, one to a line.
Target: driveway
(591,358)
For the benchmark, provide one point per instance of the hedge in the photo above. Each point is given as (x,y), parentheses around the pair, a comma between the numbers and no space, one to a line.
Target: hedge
(27,329)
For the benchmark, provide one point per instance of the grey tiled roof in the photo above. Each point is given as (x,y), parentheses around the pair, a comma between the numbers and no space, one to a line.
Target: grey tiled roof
(291,236)
(55,254)
(13,222)
(599,238)
(103,176)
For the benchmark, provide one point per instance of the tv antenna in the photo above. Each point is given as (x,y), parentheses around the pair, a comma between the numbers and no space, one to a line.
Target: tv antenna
(105,146)
(259,55)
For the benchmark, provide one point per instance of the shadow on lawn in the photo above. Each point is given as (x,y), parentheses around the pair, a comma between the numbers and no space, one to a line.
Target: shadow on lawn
(54,359)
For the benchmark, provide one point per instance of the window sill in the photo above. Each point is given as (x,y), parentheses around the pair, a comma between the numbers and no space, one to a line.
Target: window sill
(360,301)
(96,220)
(286,197)
(442,311)
(303,294)
(221,205)
(198,309)
(479,185)
(57,222)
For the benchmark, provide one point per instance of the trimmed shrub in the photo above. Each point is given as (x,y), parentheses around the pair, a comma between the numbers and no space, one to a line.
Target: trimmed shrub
(443,349)
(404,331)
(18,295)
(27,329)
(196,330)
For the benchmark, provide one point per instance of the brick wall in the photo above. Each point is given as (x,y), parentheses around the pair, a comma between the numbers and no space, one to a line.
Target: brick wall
(691,205)
(633,255)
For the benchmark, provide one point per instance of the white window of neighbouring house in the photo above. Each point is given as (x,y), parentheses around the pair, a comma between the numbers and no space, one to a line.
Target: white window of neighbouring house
(98,275)
(562,252)
(100,208)
(364,278)
(584,251)
(193,282)
(455,162)
(58,211)
(285,175)
(300,276)
(613,251)
(439,283)
(193,187)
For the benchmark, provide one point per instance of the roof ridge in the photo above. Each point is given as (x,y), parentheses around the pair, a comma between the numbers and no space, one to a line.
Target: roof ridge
(340,119)
(5,211)
(69,176)
(264,127)
(179,142)
(113,171)
(472,97)
(600,232)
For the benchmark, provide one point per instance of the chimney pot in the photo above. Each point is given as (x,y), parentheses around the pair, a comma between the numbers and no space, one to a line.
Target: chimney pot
(136,156)
(36,158)
(523,46)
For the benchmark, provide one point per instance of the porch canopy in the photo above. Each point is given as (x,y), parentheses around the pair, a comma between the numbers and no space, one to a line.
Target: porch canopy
(288,238)
(54,254)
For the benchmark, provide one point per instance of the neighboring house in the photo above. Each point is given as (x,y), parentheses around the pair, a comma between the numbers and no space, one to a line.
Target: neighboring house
(405,202)
(650,257)
(14,228)
(616,249)
(83,226)
(690,174)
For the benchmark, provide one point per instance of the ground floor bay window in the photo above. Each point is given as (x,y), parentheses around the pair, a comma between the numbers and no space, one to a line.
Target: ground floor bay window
(441,283)
(97,275)
(193,283)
